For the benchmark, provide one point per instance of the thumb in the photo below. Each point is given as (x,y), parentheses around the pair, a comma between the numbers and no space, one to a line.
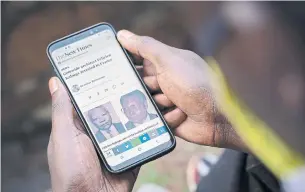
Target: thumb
(62,110)
(146,47)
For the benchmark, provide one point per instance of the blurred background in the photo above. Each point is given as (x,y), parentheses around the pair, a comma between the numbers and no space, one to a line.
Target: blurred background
(27,28)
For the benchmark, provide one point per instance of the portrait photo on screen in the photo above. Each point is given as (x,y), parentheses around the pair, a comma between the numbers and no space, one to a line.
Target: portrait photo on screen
(135,107)
(104,122)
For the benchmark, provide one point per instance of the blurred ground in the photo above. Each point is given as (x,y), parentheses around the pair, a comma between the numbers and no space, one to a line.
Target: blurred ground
(27,28)
(169,171)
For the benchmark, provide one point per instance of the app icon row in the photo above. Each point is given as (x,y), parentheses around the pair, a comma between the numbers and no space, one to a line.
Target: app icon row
(97,93)
(138,140)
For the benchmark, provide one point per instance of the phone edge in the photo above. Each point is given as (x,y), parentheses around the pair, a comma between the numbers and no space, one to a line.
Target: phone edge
(101,156)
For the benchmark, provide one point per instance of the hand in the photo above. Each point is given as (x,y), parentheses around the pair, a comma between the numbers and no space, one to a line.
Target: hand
(73,162)
(180,79)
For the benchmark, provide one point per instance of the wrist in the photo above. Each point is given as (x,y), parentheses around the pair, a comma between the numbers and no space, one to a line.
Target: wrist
(226,136)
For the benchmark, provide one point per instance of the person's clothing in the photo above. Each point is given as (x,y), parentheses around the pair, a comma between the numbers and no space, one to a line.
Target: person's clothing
(109,133)
(145,120)
(115,129)
(239,172)
(131,125)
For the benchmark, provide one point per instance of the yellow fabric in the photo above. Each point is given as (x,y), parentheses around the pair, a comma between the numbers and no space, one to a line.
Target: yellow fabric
(260,139)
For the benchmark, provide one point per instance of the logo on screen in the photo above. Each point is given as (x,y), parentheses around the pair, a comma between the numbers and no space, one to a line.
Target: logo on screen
(71,53)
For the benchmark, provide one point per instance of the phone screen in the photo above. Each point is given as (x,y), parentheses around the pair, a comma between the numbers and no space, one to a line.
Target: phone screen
(110,97)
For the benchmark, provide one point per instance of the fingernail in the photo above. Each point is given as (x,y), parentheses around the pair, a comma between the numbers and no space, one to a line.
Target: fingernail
(53,85)
(125,34)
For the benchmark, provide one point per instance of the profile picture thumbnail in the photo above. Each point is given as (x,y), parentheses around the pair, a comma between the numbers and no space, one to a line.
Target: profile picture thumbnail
(75,88)
(104,122)
(135,108)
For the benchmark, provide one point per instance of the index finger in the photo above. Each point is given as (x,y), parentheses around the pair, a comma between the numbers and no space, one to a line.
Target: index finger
(145,47)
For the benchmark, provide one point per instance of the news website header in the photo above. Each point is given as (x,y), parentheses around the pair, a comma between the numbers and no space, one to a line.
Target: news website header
(81,47)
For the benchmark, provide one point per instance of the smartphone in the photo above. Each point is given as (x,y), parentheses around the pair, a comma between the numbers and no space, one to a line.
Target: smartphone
(111,99)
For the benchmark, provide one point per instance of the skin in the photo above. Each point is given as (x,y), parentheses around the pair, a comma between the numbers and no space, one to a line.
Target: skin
(179,81)
(73,162)
(101,118)
(135,109)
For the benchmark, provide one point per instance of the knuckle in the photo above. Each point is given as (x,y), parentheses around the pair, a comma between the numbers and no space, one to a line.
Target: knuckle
(59,103)
(56,102)
(147,46)
(190,55)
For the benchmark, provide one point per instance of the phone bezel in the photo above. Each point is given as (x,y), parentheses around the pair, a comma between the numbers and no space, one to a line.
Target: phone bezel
(95,143)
